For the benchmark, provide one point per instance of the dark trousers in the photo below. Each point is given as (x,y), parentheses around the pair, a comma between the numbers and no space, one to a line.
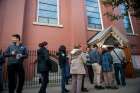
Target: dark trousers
(44,81)
(1,80)
(90,73)
(16,72)
(119,74)
(83,82)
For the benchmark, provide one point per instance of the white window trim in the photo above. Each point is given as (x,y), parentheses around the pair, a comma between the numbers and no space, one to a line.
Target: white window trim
(37,11)
(130,34)
(100,12)
(99,3)
(132,27)
(58,11)
(93,29)
(50,25)
(47,24)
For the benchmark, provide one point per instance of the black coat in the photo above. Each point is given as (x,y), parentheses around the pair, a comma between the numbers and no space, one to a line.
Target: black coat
(62,57)
(2,60)
(43,60)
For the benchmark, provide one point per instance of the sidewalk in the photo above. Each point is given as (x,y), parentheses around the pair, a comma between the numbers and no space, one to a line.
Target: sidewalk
(133,86)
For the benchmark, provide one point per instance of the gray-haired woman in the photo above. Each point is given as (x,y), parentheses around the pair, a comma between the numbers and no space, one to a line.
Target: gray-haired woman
(77,70)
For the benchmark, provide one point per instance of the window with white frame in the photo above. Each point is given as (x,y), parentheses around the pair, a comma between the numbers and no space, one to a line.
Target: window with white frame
(93,14)
(48,12)
(126,19)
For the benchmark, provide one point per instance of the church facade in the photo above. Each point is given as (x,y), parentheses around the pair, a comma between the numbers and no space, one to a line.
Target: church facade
(67,22)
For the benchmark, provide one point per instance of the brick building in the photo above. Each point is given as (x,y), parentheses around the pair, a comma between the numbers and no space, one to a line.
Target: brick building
(67,22)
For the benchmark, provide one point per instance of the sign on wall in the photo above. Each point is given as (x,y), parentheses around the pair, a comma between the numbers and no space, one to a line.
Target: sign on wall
(136,61)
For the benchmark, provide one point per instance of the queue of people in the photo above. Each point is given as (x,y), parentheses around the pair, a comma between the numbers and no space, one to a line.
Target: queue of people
(103,66)
(106,63)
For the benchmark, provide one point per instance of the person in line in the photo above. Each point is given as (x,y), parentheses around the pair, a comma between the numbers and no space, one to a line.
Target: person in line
(63,63)
(84,56)
(95,58)
(77,69)
(43,66)
(16,53)
(107,67)
(118,59)
(89,66)
(2,60)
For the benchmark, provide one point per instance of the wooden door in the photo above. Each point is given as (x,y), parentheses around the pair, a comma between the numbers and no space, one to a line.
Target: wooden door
(129,70)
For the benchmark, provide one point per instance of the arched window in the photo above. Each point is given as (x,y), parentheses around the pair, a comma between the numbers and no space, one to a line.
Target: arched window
(94,14)
(126,19)
(48,11)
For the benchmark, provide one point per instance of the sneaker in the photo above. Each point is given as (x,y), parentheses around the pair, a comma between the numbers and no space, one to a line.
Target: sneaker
(67,90)
(99,87)
(123,85)
(95,86)
(108,87)
(40,81)
(114,87)
(84,90)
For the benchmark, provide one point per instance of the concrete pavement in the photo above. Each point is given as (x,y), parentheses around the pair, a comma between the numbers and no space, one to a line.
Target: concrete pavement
(133,86)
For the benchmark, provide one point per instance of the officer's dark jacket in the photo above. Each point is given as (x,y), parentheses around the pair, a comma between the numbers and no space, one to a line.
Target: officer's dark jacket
(20,49)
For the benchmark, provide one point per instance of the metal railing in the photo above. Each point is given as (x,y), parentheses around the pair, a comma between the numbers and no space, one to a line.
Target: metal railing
(31,75)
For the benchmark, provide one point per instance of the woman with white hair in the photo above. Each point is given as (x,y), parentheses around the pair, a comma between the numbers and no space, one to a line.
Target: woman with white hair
(77,69)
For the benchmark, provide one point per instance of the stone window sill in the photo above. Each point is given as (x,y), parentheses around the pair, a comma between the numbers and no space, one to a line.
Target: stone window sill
(49,25)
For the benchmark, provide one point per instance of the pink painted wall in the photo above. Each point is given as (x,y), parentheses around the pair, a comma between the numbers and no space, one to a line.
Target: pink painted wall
(78,22)
(72,32)
(12,15)
(134,39)
(15,19)
(2,5)
(33,34)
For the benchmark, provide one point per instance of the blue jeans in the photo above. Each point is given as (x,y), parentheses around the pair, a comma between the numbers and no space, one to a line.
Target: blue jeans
(119,74)
(63,80)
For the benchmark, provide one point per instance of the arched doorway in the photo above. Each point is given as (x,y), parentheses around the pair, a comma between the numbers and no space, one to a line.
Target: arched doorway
(110,40)
(108,37)
(129,70)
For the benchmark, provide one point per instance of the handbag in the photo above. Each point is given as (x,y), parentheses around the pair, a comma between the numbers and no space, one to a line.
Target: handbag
(53,66)
(122,61)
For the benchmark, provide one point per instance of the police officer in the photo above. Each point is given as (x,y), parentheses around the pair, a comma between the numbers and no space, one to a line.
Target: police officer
(16,53)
